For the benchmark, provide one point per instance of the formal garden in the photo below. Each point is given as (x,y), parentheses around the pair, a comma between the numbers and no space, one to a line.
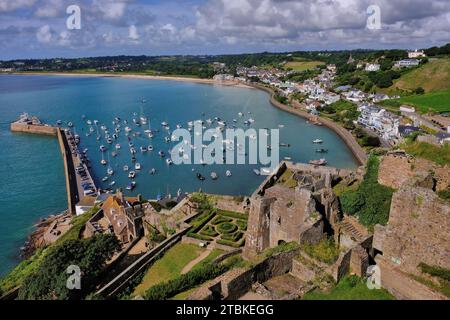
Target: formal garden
(220,226)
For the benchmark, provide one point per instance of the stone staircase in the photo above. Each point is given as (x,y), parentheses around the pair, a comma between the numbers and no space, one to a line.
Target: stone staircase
(353,228)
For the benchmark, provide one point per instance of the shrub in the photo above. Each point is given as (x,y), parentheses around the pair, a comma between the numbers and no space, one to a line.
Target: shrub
(198,236)
(233,214)
(184,282)
(242,224)
(435,271)
(209,231)
(324,251)
(231,243)
(232,237)
(226,227)
(219,219)
(352,202)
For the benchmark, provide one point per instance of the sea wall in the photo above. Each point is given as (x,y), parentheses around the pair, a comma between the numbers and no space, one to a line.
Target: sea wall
(31,128)
(349,140)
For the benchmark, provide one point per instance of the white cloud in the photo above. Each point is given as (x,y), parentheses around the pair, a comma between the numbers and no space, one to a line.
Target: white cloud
(50,9)
(133,33)
(11,5)
(44,34)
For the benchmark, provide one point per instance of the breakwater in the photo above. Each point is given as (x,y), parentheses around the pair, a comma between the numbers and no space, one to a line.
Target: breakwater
(346,136)
(69,152)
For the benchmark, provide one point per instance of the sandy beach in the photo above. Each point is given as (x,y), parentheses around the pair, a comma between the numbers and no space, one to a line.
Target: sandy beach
(138,76)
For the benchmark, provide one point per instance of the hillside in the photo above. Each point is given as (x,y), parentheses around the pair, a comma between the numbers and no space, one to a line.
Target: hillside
(300,64)
(433,76)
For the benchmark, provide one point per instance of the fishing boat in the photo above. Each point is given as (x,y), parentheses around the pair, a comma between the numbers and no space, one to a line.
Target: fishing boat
(257,172)
(137,166)
(169,161)
(317,141)
(105,179)
(150,148)
(125,168)
(214,176)
(131,174)
(321,150)
(320,162)
(228,173)
(131,185)
(103,161)
(112,183)
(200,177)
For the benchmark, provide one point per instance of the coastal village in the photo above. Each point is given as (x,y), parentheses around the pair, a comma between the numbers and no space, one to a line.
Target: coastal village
(305,231)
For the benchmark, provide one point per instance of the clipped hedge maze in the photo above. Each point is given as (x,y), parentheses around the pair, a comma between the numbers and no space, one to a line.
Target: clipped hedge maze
(225,227)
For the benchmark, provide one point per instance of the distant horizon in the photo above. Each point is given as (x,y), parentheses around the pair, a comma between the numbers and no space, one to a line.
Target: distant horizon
(218,54)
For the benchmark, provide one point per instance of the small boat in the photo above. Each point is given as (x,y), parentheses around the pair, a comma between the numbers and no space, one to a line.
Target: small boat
(214,176)
(161,154)
(167,139)
(164,124)
(114,154)
(137,166)
(112,183)
(200,177)
(322,150)
(132,150)
(153,171)
(320,162)
(265,171)
(169,161)
(131,185)
(70,124)
(257,172)
(103,162)
(103,148)
(110,171)
(240,114)
(285,145)
(133,159)
(130,144)
(105,178)
(95,122)
(59,122)
(131,174)
(125,168)
(251,120)
(89,122)
(118,147)
(150,148)
(288,158)
(228,173)
(143,149)
(317,141)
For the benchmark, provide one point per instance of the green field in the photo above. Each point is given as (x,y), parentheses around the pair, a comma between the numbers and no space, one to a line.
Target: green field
(302,65)
(350,288)
(432,76)
(169,266)
(436,101)
(440,155)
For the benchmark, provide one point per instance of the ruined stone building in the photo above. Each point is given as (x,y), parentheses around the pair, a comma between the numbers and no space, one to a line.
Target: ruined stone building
(302,210)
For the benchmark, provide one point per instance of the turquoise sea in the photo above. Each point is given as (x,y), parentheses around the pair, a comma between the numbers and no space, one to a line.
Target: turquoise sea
(31,170)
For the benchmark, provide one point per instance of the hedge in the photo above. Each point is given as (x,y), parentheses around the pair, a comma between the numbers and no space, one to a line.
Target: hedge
(184,282)
(231,243)
(233,214)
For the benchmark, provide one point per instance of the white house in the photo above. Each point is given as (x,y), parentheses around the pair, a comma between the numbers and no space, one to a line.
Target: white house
(416,54)
(407,63)
(372,67)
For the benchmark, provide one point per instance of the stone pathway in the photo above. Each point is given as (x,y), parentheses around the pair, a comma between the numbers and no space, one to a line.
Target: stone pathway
(191,264)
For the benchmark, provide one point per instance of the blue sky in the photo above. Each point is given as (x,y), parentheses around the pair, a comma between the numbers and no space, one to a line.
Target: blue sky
(37,28)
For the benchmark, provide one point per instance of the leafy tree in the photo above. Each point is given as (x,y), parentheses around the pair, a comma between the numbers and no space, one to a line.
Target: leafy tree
(419,90)
(49,281)
(352,202)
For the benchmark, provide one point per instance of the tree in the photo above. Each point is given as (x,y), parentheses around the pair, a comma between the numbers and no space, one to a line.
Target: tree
(419,90)
(352,202)
(49,281)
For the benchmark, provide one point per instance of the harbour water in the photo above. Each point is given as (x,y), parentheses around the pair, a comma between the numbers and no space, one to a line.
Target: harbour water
(31,169)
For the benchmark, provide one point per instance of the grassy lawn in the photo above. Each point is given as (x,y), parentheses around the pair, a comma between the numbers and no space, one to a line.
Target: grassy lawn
(435,101)
(440,155)
(169,266)
(302,65)
(213,255)
(287,180)
(350,288)
(432,76)
(183,295)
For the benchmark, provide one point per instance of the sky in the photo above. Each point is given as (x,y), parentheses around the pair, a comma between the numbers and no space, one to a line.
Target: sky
(38,28)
